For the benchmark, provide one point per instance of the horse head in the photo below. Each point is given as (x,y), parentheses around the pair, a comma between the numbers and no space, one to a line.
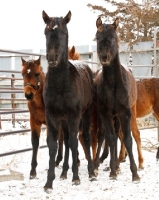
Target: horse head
(56,38)
(32,76)
(107,41)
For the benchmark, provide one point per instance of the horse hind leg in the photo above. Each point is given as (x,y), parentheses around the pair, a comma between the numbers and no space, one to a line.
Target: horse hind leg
(101,136)
(157,154)
(136,135)
(94,132)
(60,148)
(125,118)
(105,152)
(86,120)
(66,154)
(123,152)
(117,131)
(80,138)
(156,115)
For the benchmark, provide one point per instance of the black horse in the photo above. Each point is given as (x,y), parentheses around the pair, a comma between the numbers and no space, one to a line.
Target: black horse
(116,94)
(68,97)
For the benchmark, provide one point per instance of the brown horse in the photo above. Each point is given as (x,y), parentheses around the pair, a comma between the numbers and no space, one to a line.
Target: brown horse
(68,97)
(147,103)
(33,77)
(116,95)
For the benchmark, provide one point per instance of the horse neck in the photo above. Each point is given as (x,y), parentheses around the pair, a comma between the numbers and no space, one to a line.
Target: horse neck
(58,77)
(112,73)
(37,101)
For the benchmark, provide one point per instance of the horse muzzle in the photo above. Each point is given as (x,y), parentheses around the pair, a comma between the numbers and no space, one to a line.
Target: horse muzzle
(29,96)
(52,63)
(52,59)
(105,60)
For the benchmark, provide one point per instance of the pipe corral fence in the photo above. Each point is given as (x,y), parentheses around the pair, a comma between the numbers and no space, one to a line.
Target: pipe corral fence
(143,59)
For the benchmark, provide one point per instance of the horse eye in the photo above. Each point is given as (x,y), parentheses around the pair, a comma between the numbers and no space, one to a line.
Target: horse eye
(37,74)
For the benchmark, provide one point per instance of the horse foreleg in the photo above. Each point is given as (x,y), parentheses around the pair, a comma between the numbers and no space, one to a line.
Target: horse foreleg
(35,134)
(52,145)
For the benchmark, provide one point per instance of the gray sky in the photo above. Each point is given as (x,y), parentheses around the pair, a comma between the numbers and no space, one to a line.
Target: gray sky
(22,25)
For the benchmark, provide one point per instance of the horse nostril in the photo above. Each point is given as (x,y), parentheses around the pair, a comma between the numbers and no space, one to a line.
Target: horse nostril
(29,96)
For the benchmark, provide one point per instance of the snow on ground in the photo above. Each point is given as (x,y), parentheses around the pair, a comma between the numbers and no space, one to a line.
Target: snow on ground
(102,189)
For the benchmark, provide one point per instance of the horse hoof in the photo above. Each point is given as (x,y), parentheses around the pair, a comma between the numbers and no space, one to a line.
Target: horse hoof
(32,176)
(92,179)
(106,169)
(118,171)
(157,159)
(140,168)
(76,182)
(63,177)
(113,178)
(136,179)
(47,190)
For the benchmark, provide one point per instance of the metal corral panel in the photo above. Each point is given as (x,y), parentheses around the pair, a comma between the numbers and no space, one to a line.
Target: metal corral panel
(142,56)
(84,51)
(44,63)
(5,62)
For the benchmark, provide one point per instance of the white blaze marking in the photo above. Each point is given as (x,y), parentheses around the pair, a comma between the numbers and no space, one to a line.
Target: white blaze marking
(56,26)
(28,71)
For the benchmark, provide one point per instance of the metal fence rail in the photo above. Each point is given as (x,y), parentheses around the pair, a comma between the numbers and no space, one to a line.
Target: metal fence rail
(20,151)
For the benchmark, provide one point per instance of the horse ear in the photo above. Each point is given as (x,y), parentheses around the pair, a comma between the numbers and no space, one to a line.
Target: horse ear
(45,17)
(23,61)
(67,18)
(38,61)
(99,24)
(116,23)
(73,49)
